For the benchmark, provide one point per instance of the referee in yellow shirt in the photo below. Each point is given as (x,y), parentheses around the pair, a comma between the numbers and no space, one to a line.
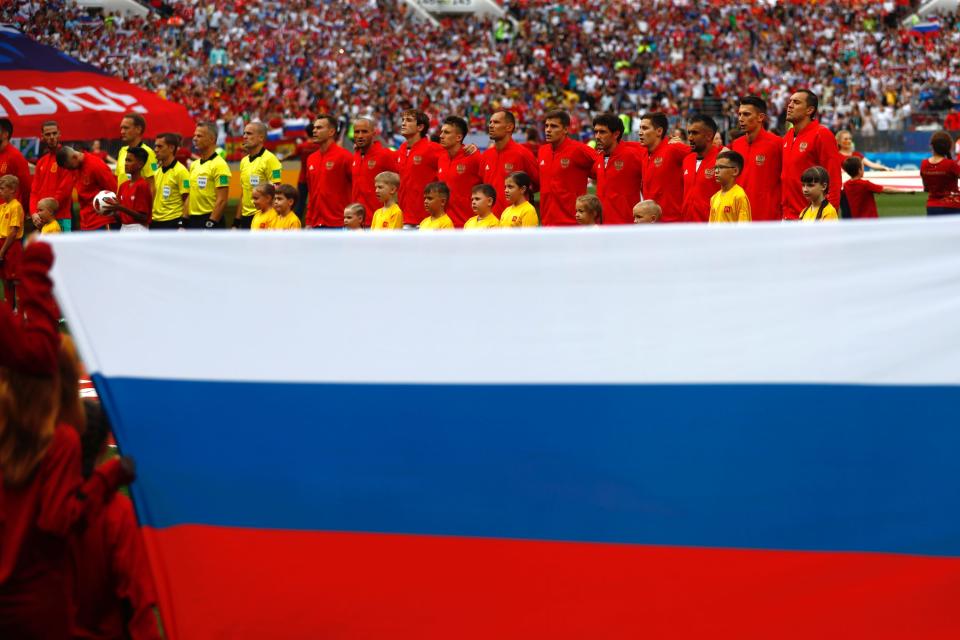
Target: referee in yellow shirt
(172,184)
(258,167)
(209,181)
(132,128)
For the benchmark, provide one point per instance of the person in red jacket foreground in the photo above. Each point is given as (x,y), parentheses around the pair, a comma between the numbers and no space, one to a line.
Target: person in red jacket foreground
(807,144)
(92,177)
(50,181)
(762,160)
(42,492)
(565,167)
(663,169)
(618,170)
(699,182)
(417,161)
(505,157)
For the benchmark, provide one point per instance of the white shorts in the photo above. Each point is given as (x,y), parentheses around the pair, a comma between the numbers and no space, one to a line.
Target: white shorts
(132,227)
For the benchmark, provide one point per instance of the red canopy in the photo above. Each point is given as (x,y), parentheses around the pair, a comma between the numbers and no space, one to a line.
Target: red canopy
(39,83)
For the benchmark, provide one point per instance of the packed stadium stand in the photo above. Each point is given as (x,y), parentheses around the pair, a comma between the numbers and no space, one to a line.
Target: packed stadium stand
(233,61)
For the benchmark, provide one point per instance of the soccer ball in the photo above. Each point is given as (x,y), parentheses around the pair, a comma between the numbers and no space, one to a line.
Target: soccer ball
(101,198)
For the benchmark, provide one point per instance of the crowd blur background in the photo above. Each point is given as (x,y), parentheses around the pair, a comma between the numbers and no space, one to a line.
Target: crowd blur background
(888,79)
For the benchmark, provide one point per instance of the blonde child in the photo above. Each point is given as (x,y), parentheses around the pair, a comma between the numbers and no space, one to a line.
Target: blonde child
(816,184)
(436,195)
(389,216)
(482,199)
(45,218)
(11,237)
(646,212)
(354,215)
(518,189)
(266,216)
(284,200)
(589,210)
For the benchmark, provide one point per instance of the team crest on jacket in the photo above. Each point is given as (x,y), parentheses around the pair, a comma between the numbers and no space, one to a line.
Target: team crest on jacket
(3,167)
(417,159)
(507,166)
(461,168)
(727,209)
(329,165)
(658,161)
(564,162)
(708,172)
(803,147)
(618,165)
(760,160)
(371,164)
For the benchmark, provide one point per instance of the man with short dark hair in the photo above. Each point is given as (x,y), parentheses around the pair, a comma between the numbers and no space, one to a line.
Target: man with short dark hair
(329,177)
(51,181)
(762,160)
(618,170)
(699,182)
(417,161)
(458,170)
(171,185)
(807,144)
(92,177)
(505,156)
(132,128)
(663,169)
(565,167)
(12,162)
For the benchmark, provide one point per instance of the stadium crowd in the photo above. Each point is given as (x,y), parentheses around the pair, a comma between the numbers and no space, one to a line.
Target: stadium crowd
(235,62)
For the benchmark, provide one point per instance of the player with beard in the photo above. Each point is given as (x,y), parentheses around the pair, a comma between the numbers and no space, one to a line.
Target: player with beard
(370,158)
(699,182)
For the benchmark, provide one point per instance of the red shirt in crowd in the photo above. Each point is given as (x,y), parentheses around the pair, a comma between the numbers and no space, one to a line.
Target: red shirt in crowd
(93,176)
(461,173)
(940,183)
(663,178)
(112,576)
(564,172)
(364,169)
(860,198)
(699,185)
(135,194)
(52,181)
(619,180)
(12,162)
(304,150)
(417,166)
(329,185)
(497,165)
(814,146)
(760,178)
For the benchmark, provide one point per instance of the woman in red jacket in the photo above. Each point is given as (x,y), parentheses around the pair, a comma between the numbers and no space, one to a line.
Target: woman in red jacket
(42,492)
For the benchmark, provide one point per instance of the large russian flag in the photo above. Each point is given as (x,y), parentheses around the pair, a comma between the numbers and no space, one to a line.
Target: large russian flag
(734,432)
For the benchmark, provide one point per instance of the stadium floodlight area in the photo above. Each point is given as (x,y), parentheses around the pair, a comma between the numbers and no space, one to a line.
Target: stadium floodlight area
(680,431)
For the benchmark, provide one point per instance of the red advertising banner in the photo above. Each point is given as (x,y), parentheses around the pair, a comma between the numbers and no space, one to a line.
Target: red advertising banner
(38,83)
